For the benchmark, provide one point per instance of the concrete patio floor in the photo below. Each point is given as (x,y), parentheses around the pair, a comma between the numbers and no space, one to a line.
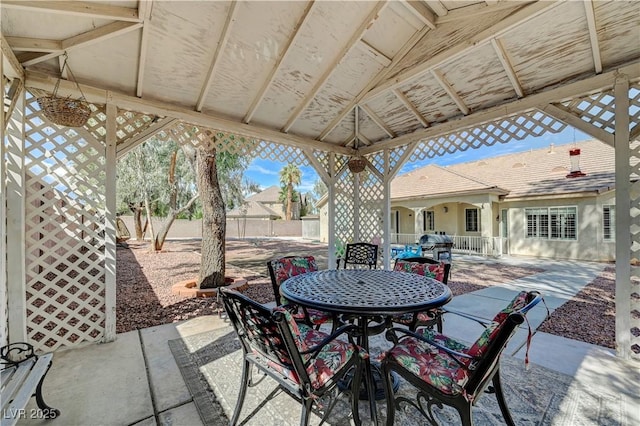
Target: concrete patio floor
(136,381)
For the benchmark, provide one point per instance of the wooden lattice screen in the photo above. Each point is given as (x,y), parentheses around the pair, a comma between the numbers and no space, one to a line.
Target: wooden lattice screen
(64,238)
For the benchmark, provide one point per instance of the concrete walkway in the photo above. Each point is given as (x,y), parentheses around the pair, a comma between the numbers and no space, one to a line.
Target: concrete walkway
(135,380)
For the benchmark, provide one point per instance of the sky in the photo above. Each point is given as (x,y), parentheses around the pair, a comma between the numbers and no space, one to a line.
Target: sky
(267,173)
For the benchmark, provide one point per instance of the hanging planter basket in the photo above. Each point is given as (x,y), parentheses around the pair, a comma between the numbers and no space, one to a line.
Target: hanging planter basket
(65,111)
(356,164)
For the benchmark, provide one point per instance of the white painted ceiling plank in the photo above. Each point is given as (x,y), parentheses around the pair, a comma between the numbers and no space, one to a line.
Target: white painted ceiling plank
(421,11)
(525,14)
(593,35)
(374,117)
(224,38)
(452,93)
(357,35)
(10,65)
(574,121)
(377,55)
(144,9)
(508,68)
(529,102)
(105,32)
(437,7)
(407,103)
(81,8)
(381,75)
(283,55)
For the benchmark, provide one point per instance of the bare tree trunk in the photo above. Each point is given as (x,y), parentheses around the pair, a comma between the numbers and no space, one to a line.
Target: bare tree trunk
(137,219)
(213,221)
(289,201)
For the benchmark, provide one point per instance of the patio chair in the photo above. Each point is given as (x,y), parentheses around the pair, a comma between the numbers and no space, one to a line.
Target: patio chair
(290,266)
(306,363)
(360,255)
(430,268)
(448,372)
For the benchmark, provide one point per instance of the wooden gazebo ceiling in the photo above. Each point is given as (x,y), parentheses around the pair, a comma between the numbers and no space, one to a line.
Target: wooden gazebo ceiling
(299,68)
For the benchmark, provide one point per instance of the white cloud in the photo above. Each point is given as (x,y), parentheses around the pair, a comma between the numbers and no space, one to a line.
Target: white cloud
(263,170)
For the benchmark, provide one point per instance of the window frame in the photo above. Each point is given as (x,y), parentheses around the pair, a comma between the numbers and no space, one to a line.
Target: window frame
(476,219)
(612,222)
(428,220)
(557,223)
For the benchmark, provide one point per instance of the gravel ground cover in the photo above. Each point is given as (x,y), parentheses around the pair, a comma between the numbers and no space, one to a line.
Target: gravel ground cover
(145,299)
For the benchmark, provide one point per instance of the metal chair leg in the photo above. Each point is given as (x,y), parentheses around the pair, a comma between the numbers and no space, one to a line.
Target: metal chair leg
(49,412)
(306,412)
(501,401)
(244,384)
(388,385)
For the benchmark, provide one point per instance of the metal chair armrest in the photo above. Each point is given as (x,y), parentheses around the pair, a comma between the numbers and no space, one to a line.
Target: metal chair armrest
(450,352)
(315,350)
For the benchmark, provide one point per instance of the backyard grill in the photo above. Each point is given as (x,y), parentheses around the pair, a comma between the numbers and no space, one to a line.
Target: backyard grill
(439,245)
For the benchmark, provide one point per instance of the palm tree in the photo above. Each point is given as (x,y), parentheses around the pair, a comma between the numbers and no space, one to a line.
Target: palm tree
(290,175)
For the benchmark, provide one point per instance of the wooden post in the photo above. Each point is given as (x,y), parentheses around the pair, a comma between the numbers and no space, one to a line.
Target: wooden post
(623,219)
(331,211)
(110,226)
(386,211)
(3,247)
(15,214)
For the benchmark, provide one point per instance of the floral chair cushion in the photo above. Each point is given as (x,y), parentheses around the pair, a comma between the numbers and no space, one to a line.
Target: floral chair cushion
(288,267)
(425,269)
(322,367)
(481,345)
(433,365)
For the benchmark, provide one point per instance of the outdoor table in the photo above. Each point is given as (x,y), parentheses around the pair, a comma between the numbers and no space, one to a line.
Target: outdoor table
(366,294)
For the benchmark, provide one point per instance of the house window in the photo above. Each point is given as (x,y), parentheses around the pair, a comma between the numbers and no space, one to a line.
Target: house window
(428,221)
(609,222)
(471,220)
(505,224)
(556,223)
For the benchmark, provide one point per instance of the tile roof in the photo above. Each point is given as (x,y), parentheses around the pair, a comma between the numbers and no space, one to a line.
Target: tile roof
(254,209)
(536,172)
(269,195)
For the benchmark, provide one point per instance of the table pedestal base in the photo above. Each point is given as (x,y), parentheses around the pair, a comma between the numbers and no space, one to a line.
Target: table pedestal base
(378,383)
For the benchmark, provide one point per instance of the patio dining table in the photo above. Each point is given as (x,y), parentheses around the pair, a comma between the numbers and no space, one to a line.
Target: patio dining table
(366,295)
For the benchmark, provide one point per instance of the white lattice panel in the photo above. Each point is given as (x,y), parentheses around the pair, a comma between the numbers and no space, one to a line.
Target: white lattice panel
(634,198)
(517,127)
(65,199)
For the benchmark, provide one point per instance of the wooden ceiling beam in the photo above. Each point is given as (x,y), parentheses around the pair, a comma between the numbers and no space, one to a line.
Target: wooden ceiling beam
(283,55)
(422,12)
(224,38)
(10,65)
(105,32)
(407,103)
(523,15)
(571,119)
(28,44)
(128,144)
(532,101)
(508,67)
(357,35)
(374,117)
(377,55)
(377,79)
(144,10)
(593,35)
(38,80)
(450,91)
(437,7)
(479,9)
(77,8)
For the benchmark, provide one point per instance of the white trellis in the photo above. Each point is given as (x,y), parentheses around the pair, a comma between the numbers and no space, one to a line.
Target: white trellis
(62,175)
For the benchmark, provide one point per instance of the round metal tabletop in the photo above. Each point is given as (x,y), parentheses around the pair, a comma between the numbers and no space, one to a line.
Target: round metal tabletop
(371,291)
